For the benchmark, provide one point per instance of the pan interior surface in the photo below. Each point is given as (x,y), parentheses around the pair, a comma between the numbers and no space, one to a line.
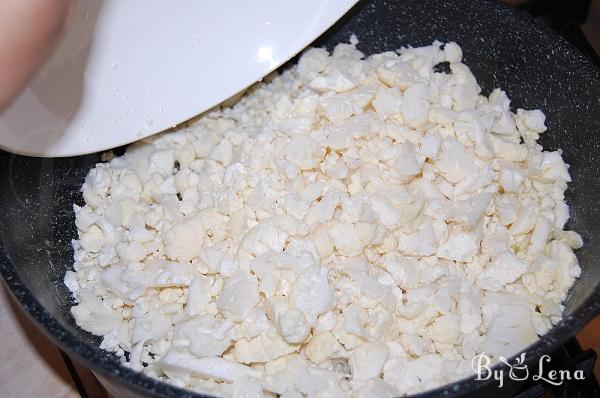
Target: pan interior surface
(502,47)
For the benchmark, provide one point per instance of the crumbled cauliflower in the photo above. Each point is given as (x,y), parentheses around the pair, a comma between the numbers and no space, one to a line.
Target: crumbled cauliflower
(356,227)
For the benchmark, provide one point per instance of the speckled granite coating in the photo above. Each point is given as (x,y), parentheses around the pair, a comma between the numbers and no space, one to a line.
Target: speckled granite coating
(504,48)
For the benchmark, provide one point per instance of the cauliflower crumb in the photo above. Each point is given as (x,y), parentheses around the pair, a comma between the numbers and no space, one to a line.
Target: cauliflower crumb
(354,227)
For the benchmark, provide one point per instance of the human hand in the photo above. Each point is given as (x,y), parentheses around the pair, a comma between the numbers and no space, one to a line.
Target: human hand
(29,31)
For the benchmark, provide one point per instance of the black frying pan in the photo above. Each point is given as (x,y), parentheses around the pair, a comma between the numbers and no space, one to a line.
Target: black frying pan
(504,48)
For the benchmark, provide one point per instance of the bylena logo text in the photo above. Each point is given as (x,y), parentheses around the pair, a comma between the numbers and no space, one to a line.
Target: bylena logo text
(518,370)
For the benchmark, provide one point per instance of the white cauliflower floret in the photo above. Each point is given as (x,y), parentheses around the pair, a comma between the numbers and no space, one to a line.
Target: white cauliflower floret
(446,329)
(204,336)
(212,367)
(415,105)
(239,296)
(312,294)
(539,237)
(460,247)
(92,240)
(222,152)
(302,152)
(505,268)
(323,346)
(376,387)
(255,323)
(313,61)
(351,239)
(84,217)
(531,123)
(387,101)
(162,162)
(404,270)
(71,282)
(293,326)
(367,361)
(198,296)
(554,167)
(454,162)
(526,218)
(334,79)
(247,387)
(355,318)
(507,209)
(267,346)
(409,375)
(95,317)
(452,52)
(511,177)
(150,328)
(504,124)
(430,145)
(293,373)
(262,238)
(183,242)
(507,150)
(97,185)
(295,206)
(567,269)
(511,330)
(130,252)
(406,164)
(469,211)
(421,243)
(337,107)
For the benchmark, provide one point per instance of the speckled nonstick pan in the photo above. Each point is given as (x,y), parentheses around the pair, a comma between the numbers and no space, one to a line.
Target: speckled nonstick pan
(504,48)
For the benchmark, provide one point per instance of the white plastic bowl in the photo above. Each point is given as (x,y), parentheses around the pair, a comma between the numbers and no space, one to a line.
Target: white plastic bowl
(129,69)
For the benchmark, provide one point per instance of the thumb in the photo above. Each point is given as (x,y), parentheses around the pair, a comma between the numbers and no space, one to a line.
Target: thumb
(30,31)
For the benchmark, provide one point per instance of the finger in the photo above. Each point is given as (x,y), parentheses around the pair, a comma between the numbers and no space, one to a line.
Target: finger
(29,30)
